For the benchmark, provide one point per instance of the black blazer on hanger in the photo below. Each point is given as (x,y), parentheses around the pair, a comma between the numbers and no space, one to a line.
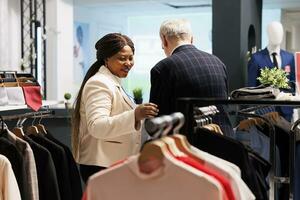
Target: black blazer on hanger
(60,163)
(234,152)
(48,185)
(15,158)
(74,173)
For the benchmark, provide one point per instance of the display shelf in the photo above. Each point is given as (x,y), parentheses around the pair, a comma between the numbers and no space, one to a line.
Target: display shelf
(46,103)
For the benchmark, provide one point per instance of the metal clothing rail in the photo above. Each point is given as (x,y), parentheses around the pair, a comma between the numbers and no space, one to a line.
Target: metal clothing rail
(37,114)
(186,106)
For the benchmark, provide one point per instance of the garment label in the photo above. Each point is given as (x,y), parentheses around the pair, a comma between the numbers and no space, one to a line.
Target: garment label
(287,68)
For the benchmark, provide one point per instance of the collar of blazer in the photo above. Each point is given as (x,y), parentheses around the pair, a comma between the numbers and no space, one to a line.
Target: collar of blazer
(117,82)
(181,47)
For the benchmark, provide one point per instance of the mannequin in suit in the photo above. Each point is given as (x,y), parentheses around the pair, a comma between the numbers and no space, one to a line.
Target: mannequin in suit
(270,57)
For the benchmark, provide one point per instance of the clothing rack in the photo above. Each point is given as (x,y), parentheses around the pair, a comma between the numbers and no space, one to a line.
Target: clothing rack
(187,106)
(156,125)
(38,114)
(293,155)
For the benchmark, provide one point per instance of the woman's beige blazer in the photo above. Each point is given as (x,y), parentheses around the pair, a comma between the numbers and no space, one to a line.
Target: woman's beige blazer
(107,127)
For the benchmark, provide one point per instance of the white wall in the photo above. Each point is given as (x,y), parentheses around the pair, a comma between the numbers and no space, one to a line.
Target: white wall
(59,17)
(291,25)
(268,16)
(10,35)
(142,26)
(100,23)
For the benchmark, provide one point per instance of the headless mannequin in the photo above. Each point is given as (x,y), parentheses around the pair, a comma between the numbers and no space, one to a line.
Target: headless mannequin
(275,35)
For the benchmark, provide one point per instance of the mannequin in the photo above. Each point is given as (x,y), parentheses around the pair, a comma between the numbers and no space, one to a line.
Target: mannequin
(275,35)
(270,57)
(264,58)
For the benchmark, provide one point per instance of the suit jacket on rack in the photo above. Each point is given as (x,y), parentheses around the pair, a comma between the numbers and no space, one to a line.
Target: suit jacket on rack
(189,72)
(75,180)
(60,164)
(107,126)
(48,187)
(9,150)
(226,148)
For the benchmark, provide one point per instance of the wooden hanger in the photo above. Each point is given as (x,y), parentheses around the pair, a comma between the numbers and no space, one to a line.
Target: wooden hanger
(245,124)
(209,127)
(218,129)
(272,116)
(32,130)
(180,140)
(172,147)
(168,124)
(41,127)
(259,121)
(154,151)
(18,130)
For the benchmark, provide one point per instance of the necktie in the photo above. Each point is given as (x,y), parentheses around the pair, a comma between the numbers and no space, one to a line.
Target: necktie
(33,97)
(274,59)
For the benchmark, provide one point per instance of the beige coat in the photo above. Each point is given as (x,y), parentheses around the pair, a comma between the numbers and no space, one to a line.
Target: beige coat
(107,132)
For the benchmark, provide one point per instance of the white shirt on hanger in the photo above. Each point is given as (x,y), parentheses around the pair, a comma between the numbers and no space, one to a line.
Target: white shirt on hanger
(228,170)
(175,180)
(8,183)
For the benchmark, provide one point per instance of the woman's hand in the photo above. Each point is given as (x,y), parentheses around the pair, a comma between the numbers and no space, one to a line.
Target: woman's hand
(146,110)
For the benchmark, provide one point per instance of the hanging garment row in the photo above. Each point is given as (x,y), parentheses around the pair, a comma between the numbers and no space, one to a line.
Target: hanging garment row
(260,130)
(169,167)
(42,166)
(255,133)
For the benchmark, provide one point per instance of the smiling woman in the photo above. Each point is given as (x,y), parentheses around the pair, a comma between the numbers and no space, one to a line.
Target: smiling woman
(106,123)
(121,63)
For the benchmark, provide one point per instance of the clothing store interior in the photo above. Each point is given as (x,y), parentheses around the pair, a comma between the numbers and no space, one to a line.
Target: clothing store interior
(149,99)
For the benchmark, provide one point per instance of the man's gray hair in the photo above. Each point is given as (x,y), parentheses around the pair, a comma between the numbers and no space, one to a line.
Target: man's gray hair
(179,28)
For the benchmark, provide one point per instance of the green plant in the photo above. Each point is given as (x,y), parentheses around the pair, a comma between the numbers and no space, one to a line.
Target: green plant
(137,93)
(275,77)
(67,96)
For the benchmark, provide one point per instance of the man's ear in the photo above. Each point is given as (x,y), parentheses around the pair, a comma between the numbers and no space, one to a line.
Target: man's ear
(164,41)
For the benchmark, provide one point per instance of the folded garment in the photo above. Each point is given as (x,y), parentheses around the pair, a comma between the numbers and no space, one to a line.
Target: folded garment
(15,96)
(3,96)
(259,92)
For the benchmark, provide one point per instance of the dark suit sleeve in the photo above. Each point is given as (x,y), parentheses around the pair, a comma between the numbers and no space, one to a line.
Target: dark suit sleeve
(253,72)
(159,92)
(155,93)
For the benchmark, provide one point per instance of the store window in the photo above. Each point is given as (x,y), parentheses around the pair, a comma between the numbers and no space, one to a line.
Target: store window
(141,22)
